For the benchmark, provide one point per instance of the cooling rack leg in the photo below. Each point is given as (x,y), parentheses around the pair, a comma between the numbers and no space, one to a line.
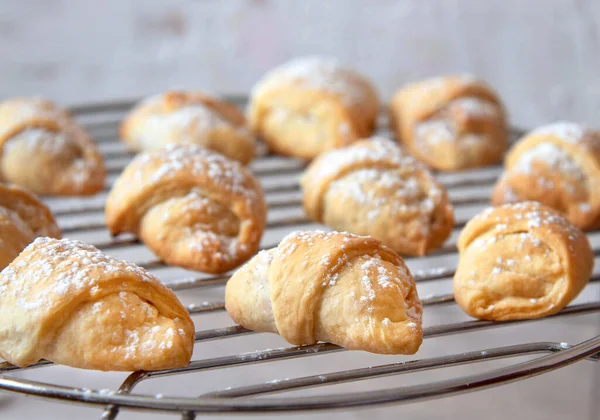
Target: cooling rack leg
(111,411)
(188,415)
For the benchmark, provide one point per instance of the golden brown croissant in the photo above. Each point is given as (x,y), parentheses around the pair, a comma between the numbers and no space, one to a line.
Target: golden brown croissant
(335,287)
(67,302)
(312,104)
(450,123)
(375,188)
(44,150)
(559,166)
(520,261)
(178,117)
(22,218)
(192,207)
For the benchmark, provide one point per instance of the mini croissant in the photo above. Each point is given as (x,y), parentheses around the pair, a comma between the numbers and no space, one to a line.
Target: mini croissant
(375,188)
(22,218)
(67,302)
(189,118)
(45,151)
(450,123)
(312,104)
(192,207)
(520,261)
(557,165)
(334,287)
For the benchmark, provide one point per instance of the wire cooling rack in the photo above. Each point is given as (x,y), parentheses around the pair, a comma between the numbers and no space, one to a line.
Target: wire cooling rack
(82,218)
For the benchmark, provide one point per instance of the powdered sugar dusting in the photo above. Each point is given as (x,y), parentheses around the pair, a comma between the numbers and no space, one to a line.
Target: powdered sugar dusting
(224,173)
(310,237)
(188,124)
(444,127)
(534,214)
(378,149)
(376,276)
(60,267)
(433,132)
(509,195)
(373,274)
(567,131)
(553,157)
(143,340)
(39,139)
(441,82)
(56,146)
(476,107)
(320,73)
(398,187)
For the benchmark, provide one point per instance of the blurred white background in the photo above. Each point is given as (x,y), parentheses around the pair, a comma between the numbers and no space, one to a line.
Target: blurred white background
(542,55)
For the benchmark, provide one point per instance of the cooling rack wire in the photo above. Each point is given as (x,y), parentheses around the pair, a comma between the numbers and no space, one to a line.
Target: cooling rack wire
(82,218)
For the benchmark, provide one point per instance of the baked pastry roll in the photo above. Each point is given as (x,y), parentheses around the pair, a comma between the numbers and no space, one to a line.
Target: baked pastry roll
(45,151)
(310,105)
(335,287)
(520,261)
(450,123)
(23,217)
(375,188)
(559,166)
(177,117)
(67,302)
(192,207)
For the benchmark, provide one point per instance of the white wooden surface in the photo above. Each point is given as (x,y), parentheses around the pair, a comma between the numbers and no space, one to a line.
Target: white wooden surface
(542,55)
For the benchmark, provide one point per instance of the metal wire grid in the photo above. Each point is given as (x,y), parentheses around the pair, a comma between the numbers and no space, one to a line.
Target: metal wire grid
(279,178)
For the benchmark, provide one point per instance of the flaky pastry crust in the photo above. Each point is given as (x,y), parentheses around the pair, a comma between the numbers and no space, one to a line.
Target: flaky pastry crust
(375,188)
(557,165)
(312,104)
(45,151)
(192,207)
(520,261)
(67,302)
(23,217)
(178,117)
(450,123)
(334,287)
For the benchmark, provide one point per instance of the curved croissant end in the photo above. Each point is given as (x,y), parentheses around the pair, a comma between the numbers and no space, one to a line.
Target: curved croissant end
(450,123)
(312,104)
(520,261)
(193,207)
(559,166)
(67,302)
(22,218)
(189,118)
(44,150)
(334,287)
(375,188)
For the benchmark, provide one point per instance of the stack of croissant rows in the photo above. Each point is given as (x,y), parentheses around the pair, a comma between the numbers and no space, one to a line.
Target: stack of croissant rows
(190,198)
